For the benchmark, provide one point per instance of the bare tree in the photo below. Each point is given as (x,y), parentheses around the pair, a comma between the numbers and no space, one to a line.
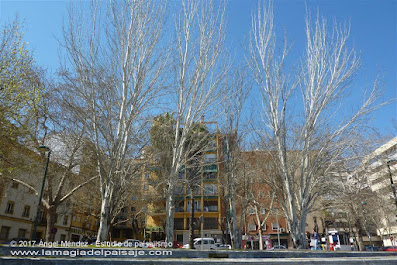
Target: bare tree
(261,221)
(43,125)
(234,132)
(114,78)
(317,136)
(199,73)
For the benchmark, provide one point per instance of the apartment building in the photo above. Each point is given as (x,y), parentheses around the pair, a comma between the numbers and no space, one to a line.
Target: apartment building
(130,222)
(206,198)
(380,169)
(255,197)
(19,204)
(208,201)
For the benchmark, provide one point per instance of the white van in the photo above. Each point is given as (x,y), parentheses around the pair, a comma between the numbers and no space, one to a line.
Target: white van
(208,243)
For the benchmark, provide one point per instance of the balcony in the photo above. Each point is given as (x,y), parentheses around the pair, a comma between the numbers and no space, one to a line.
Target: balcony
(210,206)
(210,176)
(210,189)
(210,158)
(210,168)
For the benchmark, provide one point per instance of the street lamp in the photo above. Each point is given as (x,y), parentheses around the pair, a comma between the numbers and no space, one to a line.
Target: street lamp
(393,187)
(42,149)
(365,224)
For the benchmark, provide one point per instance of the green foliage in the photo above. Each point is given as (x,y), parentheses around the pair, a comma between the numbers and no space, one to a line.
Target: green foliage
(20,90)
(162,135)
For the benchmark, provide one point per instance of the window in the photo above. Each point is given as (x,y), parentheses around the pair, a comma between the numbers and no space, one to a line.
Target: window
(251,210)
(41,215)
(14,185)
(178,224)
(5,230)
(10,207)
(196,223)
(179,190)
(181,175)
(264,227)
(262,210)
(210,175)
(212,144)
(79,219)
(197,206)
(196,190)
(179,206)
(251,227)
(133,209)
(65,220)
(209,158)
(210,206)
(275,226)
(210,223)
(22,233)
(210,168)
(116,232)
(26,211)
(210,189)
(74,218)
(134,198)
(261,195)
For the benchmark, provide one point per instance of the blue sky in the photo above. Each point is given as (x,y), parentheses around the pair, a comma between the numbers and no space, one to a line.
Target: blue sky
(373,34)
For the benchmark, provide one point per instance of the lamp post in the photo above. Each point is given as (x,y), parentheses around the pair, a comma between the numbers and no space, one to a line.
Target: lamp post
(42,149)
(393,187)
(365,224)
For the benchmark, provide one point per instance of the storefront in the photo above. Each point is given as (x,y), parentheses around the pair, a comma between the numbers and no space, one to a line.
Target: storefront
(252,241)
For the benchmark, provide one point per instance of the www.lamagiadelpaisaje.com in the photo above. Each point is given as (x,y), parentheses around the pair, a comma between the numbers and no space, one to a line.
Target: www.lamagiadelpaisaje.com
(90,252)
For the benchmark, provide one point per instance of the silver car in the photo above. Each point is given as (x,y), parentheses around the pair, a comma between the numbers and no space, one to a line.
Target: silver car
(278,247)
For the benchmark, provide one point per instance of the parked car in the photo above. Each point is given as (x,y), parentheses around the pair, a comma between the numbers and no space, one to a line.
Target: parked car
(131,243)
(222,246)
(207,243)
(391,248)
(278,247)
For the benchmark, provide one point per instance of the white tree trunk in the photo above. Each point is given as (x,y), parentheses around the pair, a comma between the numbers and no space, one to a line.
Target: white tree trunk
(113,77)
(199,73)
(304,143)
(103,231)
(169,211)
